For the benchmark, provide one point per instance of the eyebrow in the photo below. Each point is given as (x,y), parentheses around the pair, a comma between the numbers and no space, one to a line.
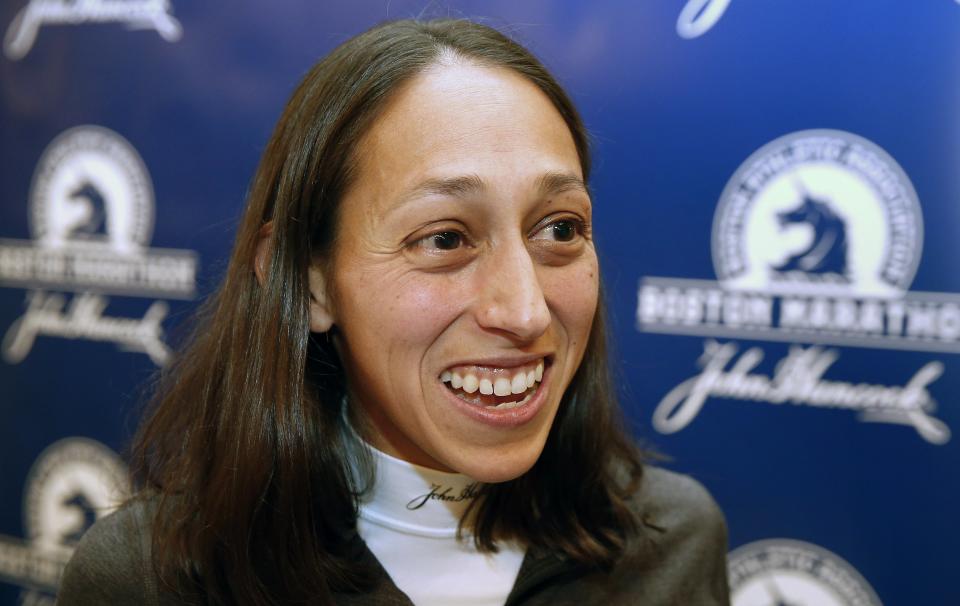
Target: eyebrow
(466,185)
(457,187)
(557,183)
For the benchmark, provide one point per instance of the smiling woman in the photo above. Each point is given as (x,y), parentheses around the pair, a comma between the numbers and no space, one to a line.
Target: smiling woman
(400,393)
(470,214)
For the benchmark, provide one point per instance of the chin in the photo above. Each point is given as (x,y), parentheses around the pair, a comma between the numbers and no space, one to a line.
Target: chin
(501,467)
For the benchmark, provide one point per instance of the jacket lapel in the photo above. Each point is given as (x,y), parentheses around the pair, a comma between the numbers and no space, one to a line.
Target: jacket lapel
(383,591)
(539,568)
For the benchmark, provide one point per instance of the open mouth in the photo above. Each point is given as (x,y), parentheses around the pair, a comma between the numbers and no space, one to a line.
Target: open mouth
(492,387)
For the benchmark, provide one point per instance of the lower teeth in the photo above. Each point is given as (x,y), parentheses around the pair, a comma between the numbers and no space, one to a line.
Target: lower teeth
(476,399)
(512,404)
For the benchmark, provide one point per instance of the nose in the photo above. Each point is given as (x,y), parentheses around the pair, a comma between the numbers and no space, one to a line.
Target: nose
(511,297)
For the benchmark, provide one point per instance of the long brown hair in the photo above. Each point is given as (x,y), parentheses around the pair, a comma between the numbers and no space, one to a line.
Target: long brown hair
(243,450)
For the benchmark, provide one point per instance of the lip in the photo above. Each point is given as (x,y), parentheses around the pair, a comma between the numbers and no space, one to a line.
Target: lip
(505,361)
(510,417)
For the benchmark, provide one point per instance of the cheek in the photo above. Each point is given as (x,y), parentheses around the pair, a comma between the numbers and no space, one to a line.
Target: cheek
(572,292)
(428,304)
(403,313)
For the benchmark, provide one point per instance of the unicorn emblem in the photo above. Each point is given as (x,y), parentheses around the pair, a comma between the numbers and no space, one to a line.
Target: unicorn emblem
(826,255)
(89,212)
(86,514)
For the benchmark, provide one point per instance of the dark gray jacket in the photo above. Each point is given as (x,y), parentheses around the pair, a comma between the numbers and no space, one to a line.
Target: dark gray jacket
(678,560)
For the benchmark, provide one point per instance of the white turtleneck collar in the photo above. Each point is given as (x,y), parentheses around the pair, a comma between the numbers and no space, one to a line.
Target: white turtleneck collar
(409,520)
(416,500)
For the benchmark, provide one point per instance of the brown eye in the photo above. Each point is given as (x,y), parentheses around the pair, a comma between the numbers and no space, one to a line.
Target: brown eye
(564,231)
(445,240)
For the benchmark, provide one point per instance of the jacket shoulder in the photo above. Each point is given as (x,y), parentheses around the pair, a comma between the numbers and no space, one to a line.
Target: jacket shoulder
(682,544)
(111,564)
(676,502)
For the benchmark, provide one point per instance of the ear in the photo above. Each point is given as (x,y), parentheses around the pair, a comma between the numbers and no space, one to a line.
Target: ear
(261,259)
(321,312)
(321,316)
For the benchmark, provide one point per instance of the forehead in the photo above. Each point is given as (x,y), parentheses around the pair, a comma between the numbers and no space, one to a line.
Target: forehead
(460,118)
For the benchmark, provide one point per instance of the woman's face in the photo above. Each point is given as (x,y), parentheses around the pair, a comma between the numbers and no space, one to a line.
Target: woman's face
(464,265)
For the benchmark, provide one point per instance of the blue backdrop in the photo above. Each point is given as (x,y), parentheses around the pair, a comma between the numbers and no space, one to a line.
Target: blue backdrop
(776,201)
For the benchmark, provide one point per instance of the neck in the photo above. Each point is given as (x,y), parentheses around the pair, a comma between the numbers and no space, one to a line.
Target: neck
(416,499)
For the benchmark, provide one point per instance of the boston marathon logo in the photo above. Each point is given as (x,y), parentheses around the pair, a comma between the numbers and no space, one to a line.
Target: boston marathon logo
(816,240)
(91,218)
(73,483)
(786,572)
(136,14)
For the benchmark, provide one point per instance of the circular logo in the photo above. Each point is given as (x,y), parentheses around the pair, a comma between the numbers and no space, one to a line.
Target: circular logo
(73,482)
(91,188)
(784,572)
(818,212)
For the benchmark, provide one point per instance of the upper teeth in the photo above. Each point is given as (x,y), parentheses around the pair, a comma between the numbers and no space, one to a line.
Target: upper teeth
(492,380)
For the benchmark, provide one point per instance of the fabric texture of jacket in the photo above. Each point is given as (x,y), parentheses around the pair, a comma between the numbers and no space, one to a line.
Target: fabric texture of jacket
(678,559)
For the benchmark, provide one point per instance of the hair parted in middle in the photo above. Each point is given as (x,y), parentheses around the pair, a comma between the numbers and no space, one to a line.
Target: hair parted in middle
(245,449)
